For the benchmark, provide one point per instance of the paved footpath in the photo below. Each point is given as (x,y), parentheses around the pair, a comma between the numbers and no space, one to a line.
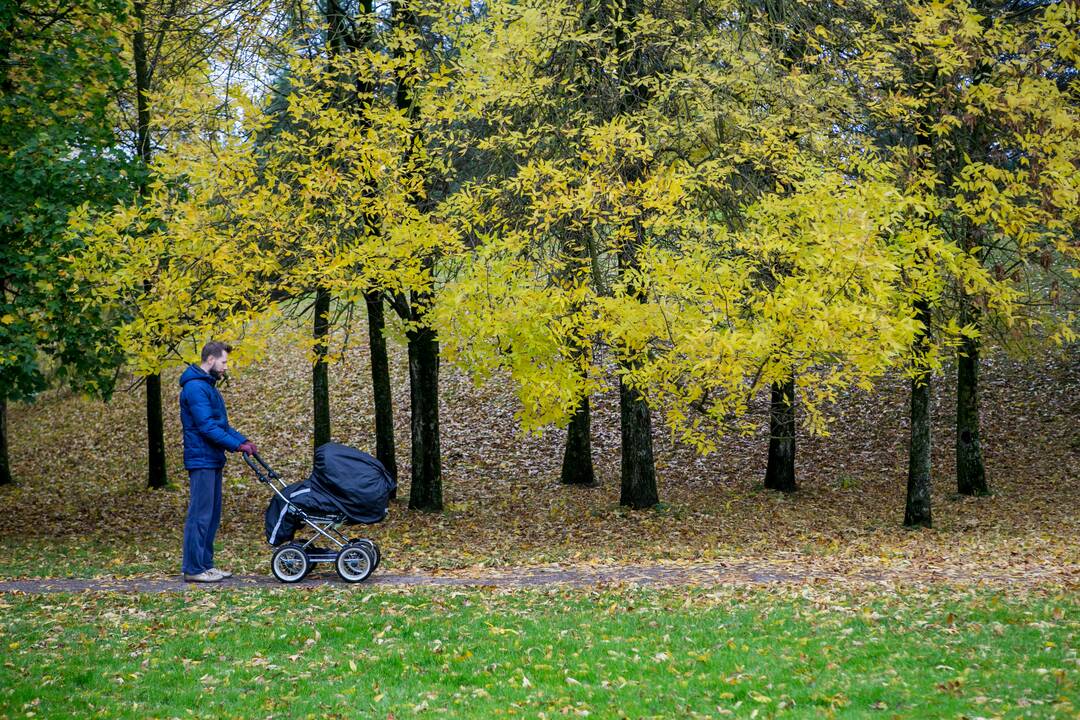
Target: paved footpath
(703,575)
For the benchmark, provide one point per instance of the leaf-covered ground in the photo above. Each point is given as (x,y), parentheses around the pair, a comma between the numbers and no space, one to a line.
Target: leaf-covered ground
(337,652)
(80,506)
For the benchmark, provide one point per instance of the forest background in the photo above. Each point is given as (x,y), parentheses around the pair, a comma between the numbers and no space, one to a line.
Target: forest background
(697,206)
(694,205)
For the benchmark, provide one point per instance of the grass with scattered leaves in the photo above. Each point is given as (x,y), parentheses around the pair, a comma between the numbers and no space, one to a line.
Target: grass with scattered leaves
(337,652)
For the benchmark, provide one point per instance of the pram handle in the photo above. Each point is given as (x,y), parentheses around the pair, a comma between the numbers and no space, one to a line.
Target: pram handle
(270,474)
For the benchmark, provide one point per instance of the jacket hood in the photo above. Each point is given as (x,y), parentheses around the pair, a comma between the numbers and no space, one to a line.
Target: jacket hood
(193,372)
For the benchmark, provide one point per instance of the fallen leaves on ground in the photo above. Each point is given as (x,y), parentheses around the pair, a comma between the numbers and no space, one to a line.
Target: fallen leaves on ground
(81,506)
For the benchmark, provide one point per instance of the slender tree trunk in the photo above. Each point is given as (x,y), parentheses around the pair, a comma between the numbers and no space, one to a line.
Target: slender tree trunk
(336,26)
(638,473)
(780,472)
(426,489)
(6,86)
(385,450)
(917,508)
(638,489)
(320,371)
(970,472)
(638,486)
(577,466)
(157,475)
(155,424)
(348,36)
(155,427)
(425,492)
(380,385)
(142,88)
(5,461)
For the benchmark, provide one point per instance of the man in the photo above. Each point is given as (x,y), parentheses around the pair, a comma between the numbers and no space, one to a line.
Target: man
(207,436)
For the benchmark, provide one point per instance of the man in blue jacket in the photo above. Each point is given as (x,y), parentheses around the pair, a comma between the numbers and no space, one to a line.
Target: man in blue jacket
(207,435)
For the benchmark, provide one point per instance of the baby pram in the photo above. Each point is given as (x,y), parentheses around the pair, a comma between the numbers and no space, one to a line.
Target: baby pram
(347,487)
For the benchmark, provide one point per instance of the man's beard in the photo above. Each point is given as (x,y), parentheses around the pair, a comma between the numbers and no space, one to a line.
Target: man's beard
(217,374)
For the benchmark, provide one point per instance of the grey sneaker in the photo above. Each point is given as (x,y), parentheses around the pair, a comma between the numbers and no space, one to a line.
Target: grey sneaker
(223,573)
(207,576)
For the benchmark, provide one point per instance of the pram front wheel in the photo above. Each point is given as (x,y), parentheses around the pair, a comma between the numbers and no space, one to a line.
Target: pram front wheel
(355,563)
(373,550)
(290,563)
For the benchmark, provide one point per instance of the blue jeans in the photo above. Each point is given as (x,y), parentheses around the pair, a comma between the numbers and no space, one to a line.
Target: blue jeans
(203,518)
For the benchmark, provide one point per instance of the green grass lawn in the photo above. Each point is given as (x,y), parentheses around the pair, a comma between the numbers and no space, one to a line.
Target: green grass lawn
(338,652)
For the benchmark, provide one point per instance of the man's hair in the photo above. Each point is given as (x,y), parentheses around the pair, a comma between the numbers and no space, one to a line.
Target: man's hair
(214,348)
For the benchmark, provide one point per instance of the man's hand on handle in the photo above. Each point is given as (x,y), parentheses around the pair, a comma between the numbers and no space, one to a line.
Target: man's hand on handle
(248,448)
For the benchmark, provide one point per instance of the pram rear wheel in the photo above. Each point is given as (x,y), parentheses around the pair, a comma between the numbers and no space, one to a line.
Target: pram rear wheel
(373,550)
(290,563)
(355,563)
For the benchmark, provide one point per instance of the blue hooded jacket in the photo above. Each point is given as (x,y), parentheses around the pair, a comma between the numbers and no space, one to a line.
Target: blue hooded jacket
(207,434)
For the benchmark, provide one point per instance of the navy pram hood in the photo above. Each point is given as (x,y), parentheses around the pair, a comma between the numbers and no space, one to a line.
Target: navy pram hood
(346,481)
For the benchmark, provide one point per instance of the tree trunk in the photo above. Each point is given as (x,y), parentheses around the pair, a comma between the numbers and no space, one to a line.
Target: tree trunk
(157,476)
(345,36)
(142,88)
(426,489)
(6,86)
(577,466)
(917,508)
(780,472)
(638,481)
(380,386)
(638,488)
(320,371)
(970,472)
(155,429)
(425,492)
(5,462)
(638,474)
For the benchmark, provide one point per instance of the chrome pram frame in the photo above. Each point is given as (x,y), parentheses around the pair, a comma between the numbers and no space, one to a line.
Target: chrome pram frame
(354,559)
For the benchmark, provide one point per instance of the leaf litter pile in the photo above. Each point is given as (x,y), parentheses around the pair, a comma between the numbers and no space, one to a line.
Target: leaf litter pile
(80,506)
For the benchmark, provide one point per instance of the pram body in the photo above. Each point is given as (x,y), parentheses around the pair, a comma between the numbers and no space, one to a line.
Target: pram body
(346,487)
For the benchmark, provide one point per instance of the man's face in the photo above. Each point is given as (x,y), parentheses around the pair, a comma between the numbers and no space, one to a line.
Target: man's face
(218,365)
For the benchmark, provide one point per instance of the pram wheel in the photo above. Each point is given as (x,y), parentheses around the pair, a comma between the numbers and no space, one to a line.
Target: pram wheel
(355,563)
(290,563)
(373,550)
